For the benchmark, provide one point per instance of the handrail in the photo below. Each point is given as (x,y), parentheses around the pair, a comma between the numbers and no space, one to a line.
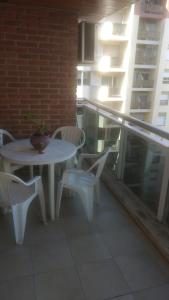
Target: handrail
(130,119)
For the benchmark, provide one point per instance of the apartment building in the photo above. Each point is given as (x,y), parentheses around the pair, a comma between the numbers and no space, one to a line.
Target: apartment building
(129,70)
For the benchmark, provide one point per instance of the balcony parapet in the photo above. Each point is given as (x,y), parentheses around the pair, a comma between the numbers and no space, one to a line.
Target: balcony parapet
(143,60)
(138,165)
(143,84)
(151,132)
(148,35)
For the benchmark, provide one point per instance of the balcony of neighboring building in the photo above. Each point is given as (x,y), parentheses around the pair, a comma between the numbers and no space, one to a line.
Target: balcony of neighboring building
(110,64)
(109,94)
(110,89)
(140,102)
(143,80)
(145,35)
(146,56)
(113,32)
(152,8)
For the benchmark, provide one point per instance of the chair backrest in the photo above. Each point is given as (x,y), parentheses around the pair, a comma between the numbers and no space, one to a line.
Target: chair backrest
(71,134)
(9,187)
(4,133)
(99,163)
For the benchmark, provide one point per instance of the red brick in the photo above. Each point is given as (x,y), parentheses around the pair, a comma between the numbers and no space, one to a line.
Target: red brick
(38,60)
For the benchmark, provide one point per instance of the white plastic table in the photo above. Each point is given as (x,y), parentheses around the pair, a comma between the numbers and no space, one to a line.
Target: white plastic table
(21,152)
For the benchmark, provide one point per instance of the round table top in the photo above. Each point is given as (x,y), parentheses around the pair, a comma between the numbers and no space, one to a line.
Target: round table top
(22,152)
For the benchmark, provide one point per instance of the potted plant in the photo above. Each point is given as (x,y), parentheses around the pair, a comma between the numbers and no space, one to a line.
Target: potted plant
(40,139)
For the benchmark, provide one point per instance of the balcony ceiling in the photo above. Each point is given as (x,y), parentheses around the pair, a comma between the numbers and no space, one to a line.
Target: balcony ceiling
(89,10)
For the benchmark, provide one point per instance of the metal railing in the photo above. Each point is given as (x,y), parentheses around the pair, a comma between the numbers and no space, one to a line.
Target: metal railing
(140,156)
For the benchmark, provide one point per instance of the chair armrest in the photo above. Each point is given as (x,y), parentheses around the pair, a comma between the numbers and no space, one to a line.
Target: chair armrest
(32,181)
(85,155)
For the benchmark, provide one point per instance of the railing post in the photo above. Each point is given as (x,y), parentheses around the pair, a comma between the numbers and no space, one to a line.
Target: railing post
(122,151)
(164,187)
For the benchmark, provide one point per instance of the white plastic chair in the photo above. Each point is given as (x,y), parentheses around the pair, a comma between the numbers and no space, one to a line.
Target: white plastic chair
(85,183)
(18,195)
(6,135)
(73,135)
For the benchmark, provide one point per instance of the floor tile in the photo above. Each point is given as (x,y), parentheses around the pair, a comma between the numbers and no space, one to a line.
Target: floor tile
(157,293)
(78,226)
(62,284)
(71,206)
(50,256)
(40,233)
(141,271)
(124,241)
(88,248)
(15,262)
(126,297)
(111,220)
(102,280)
(22,288)
(7,238)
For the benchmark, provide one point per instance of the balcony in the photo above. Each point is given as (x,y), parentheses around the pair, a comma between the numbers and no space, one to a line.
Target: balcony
(145,60)
(148,35)
(64,257)
(108,93)
(113,32)
(136,171)
(116,62)
(108,64)
(152,8)
(140,102)
(119,29)
(71,258)
(143,84)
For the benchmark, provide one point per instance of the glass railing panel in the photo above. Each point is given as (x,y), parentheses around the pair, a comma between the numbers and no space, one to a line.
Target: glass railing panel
(102,132)
(90,125)
(143,169)
(138,158)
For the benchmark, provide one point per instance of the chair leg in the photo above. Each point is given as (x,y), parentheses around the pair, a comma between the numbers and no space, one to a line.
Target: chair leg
(97,192)
(59,197)
(42,201)
(31,171)
(88,203)
(40,170)
(19,213)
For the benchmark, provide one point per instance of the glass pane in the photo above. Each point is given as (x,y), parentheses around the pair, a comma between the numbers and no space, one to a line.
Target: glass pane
(144,165)
(101,133)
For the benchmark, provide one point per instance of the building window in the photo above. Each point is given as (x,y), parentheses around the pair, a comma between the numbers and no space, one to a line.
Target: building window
(163,102)
(164,98)
(165,80)
(162,116)
(167,55)
(83,78)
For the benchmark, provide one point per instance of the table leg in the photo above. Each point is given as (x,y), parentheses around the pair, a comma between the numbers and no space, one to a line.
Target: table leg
(51,185)
(6,166)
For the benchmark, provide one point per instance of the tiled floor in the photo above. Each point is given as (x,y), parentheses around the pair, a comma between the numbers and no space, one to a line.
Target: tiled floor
(72,259)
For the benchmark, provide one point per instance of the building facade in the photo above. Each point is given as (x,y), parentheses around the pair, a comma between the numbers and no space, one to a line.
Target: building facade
(130,71)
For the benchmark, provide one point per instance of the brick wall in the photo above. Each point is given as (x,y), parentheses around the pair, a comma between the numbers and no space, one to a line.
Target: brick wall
(38,53)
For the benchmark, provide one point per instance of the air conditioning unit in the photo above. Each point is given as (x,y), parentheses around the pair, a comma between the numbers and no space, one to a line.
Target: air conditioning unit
(86,42)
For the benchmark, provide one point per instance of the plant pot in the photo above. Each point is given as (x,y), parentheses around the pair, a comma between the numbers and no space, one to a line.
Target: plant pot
(39,141)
